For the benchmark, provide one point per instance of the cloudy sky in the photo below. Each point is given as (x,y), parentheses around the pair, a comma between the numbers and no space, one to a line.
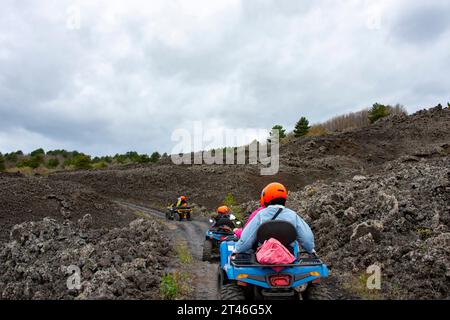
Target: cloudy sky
(111,76)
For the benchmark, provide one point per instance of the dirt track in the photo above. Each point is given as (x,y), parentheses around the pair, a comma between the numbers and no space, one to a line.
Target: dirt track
(192,234)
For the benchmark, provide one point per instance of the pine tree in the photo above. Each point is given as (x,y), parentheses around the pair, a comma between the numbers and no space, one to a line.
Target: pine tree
(378,111)
(281,132)
(301,127)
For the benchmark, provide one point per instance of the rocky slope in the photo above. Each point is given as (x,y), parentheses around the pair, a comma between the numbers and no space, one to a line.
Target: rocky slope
(397,219)
(120,263)
(33,198)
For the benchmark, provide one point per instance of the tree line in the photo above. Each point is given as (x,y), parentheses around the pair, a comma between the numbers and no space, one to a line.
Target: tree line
(63,159)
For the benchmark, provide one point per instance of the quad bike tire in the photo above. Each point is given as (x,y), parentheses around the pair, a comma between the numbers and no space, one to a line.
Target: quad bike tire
(316,291)
(207,250)
(178,217)
(231,291)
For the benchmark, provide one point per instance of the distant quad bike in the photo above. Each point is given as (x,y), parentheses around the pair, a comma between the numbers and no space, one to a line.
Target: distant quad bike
(179,213)
(217,233)
(241,277)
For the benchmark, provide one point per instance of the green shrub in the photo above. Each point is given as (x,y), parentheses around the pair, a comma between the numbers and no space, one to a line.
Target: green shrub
(67,162)
(424,233)
(377,112)
(81,161)
(144,158)
(175,285)
(11,157)
(229,200)
(58,152)
(31,162)
(52,163)
(36,152)
(100,165)
(168,287)
(120,158)
(133,156)
(25,162)
(36,160)
(301,127)
(106,159)
(183,253)
(155,157)
(2,163)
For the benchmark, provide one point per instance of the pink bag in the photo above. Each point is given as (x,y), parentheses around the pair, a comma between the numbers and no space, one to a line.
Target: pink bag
(238,232)
(273,252)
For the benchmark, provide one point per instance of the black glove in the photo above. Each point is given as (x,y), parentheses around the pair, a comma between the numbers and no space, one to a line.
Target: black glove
(232,238)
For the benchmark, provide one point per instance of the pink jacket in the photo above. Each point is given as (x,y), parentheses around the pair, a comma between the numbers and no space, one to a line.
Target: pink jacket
(238,231)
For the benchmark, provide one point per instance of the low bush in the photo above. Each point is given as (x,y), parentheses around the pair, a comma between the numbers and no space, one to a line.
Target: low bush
(317,131)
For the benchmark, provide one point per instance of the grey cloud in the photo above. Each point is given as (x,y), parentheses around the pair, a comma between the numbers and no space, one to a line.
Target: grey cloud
(422,24)
(132,74)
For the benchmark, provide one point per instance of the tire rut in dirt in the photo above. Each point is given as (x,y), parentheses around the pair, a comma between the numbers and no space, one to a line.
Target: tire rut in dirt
(192,234)
(150,211)
(206,281)
(193,239)
(207,250)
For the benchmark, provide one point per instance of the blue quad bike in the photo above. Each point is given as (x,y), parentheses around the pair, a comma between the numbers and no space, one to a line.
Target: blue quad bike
(241,277)
(216,233)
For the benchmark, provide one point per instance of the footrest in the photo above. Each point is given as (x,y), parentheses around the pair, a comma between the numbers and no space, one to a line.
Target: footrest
(309,262)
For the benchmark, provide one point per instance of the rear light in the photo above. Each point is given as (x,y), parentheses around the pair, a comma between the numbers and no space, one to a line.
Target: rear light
(279,280)
(315,274)
(222,238)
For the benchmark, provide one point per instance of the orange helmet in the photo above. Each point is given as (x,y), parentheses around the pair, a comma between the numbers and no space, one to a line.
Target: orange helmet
(223,210)
(271,192)
(183,198)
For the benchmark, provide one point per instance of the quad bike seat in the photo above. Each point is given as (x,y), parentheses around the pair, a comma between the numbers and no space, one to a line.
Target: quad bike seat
(222,230)
(283,231)
(224,222)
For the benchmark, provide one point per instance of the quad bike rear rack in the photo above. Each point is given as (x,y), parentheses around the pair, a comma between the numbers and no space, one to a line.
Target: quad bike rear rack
(251,262)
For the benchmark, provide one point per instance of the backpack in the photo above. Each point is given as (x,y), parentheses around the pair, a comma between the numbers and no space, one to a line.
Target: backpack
(273,251)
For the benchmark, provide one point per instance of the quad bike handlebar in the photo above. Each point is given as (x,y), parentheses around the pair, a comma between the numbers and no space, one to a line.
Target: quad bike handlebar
(232,238)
